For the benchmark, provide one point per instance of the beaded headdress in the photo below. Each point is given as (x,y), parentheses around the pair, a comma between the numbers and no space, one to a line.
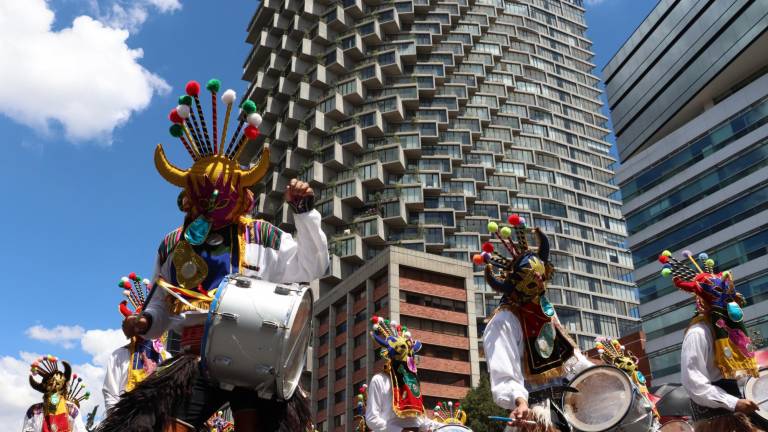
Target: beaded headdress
(718,302)
(523,275)
(56,384)
(396,342)
(614,353)
(216,185)
(450,413)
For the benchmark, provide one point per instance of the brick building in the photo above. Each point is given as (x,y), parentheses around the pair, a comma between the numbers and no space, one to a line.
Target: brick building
(432,295)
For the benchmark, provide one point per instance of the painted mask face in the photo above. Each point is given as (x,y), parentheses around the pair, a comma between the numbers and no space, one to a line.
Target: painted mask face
(219,202)
(529,275)
(56,383)
(715,289)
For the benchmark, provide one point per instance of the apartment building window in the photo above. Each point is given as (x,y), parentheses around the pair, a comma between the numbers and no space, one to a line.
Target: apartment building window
(434,326)
(322,405)
(341,373)
(444,378)
(339,420)
(600,324)
(341,350)
(530,204)
(381,304)
(341,328)
(322,339)
(322,361)
(322,383)
(433,302)
(547,225)
(359,363)
(360,340)
(498,181)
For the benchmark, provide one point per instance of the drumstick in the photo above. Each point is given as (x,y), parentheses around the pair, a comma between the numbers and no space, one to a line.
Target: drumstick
(511,420)
(762,401)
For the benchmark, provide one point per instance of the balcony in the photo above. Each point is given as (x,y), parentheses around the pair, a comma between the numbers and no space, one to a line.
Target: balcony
(332,157)
(283,134)
(287,86)
(394,213)
(353,91)
(334,273)
(352,46)
(371,174)
(350,137)
(371,75)
(295,114)
(348,248)
(280,24)
(312,10)
(355,8)
(390,63)
(287,46)
(350,191)
(371,123)
(308,94)
(371,229)
(371,33)
(333,107)
(320,124)
(337,19)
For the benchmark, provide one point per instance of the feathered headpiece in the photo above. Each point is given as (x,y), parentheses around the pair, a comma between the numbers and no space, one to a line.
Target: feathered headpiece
(450,413)
(215,184)
(718,302)
(524,274)
(362,402)
(395,341)
(57,385)
(614,353)
(136,290)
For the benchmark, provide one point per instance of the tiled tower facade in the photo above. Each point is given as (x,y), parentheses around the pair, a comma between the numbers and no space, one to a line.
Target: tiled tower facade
(419,121)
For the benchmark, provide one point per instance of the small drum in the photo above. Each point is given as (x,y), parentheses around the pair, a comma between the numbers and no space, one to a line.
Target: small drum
(607,401)
(453,428)
(257,334)
(756,389)
(676,426)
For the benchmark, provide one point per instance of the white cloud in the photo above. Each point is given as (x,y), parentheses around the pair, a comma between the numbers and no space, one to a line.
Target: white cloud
(83,77)
(593,2)
(16,395)
(59,335)
(130,14)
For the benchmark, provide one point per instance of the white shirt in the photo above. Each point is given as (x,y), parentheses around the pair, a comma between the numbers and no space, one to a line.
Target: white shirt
(116,376)
(379,415)
(301,260)
(33,421)
(698,369)
(503,343)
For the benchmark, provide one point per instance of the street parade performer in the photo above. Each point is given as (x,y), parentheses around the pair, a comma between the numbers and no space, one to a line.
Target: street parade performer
(216,240)
(394,401)
(62,393)
(525,345)
(362,401)
(134,362)
(717,352)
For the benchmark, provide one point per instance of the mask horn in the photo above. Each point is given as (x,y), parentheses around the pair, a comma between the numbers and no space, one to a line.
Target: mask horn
(36,385)
(543,245)
(255,174)
(67,370)
(166,169)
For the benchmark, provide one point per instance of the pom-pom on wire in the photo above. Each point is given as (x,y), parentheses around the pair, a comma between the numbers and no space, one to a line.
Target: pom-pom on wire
(192,88)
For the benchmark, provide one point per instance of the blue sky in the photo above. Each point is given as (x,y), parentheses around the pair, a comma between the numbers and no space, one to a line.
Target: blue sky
(83,202)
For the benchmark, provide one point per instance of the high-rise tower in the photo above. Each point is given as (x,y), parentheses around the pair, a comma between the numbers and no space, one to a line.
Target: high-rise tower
(422,120)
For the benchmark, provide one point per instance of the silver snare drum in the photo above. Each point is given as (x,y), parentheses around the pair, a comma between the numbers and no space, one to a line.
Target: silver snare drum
(607,401)
(756,389)
(257,334)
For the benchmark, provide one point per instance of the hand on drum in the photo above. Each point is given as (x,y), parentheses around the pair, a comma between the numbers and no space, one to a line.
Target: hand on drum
(746,406)
(135,325)
(297,190)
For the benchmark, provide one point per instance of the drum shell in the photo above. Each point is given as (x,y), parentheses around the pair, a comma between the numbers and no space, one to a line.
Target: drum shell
(637,415)
(756,389)
(453,428)
(676,426)
(250,351)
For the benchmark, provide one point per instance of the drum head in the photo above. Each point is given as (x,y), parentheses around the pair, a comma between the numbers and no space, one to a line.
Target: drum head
(756,389)
(454,428)
(605,397)
(676,426)
(296,343)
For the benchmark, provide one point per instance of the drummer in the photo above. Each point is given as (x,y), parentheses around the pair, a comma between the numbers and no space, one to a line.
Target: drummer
(717,352)
(217,239)
(525,345)
(132,363)
(393,402)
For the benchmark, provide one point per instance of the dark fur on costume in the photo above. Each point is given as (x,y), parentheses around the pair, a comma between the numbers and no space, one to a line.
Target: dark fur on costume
(296,414)
(149,406)
(730,423)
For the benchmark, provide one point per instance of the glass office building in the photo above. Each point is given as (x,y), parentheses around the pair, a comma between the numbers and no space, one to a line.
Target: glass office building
(689,102)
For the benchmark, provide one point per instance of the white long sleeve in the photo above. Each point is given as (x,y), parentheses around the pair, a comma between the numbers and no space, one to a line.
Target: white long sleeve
(302,259)
(77,423)
(116,376)
(503,345)
(379,415)
(698,369)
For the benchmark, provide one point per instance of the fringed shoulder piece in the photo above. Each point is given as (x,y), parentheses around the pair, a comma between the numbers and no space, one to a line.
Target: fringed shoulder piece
(263,233)
(169,244)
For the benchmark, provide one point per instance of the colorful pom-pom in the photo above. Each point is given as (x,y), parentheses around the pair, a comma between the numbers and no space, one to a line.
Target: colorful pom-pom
(126,293)
(726,274)
(185,100)
(251,132)
(478,259)
(709,263)
(687,253)
(249,107)
(667,253)
(146,282)
(176,130)
(229,96)
(666,272)
(514,220)
(184,111)
(663,259)
(600,351)
(127,285)
(493,227)
(522,222)
(133,276)
(174,117)
(254,119)
(407,334)
(486,256)
(487,247)
(213,85)
(703,256)
(374,319)
(192,88)
(506,232)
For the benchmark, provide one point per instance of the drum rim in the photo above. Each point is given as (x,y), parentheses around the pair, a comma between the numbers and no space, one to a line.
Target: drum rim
(762,372)
(613,368)
(661,428)
(212,309)
(280,378)
(454,425)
